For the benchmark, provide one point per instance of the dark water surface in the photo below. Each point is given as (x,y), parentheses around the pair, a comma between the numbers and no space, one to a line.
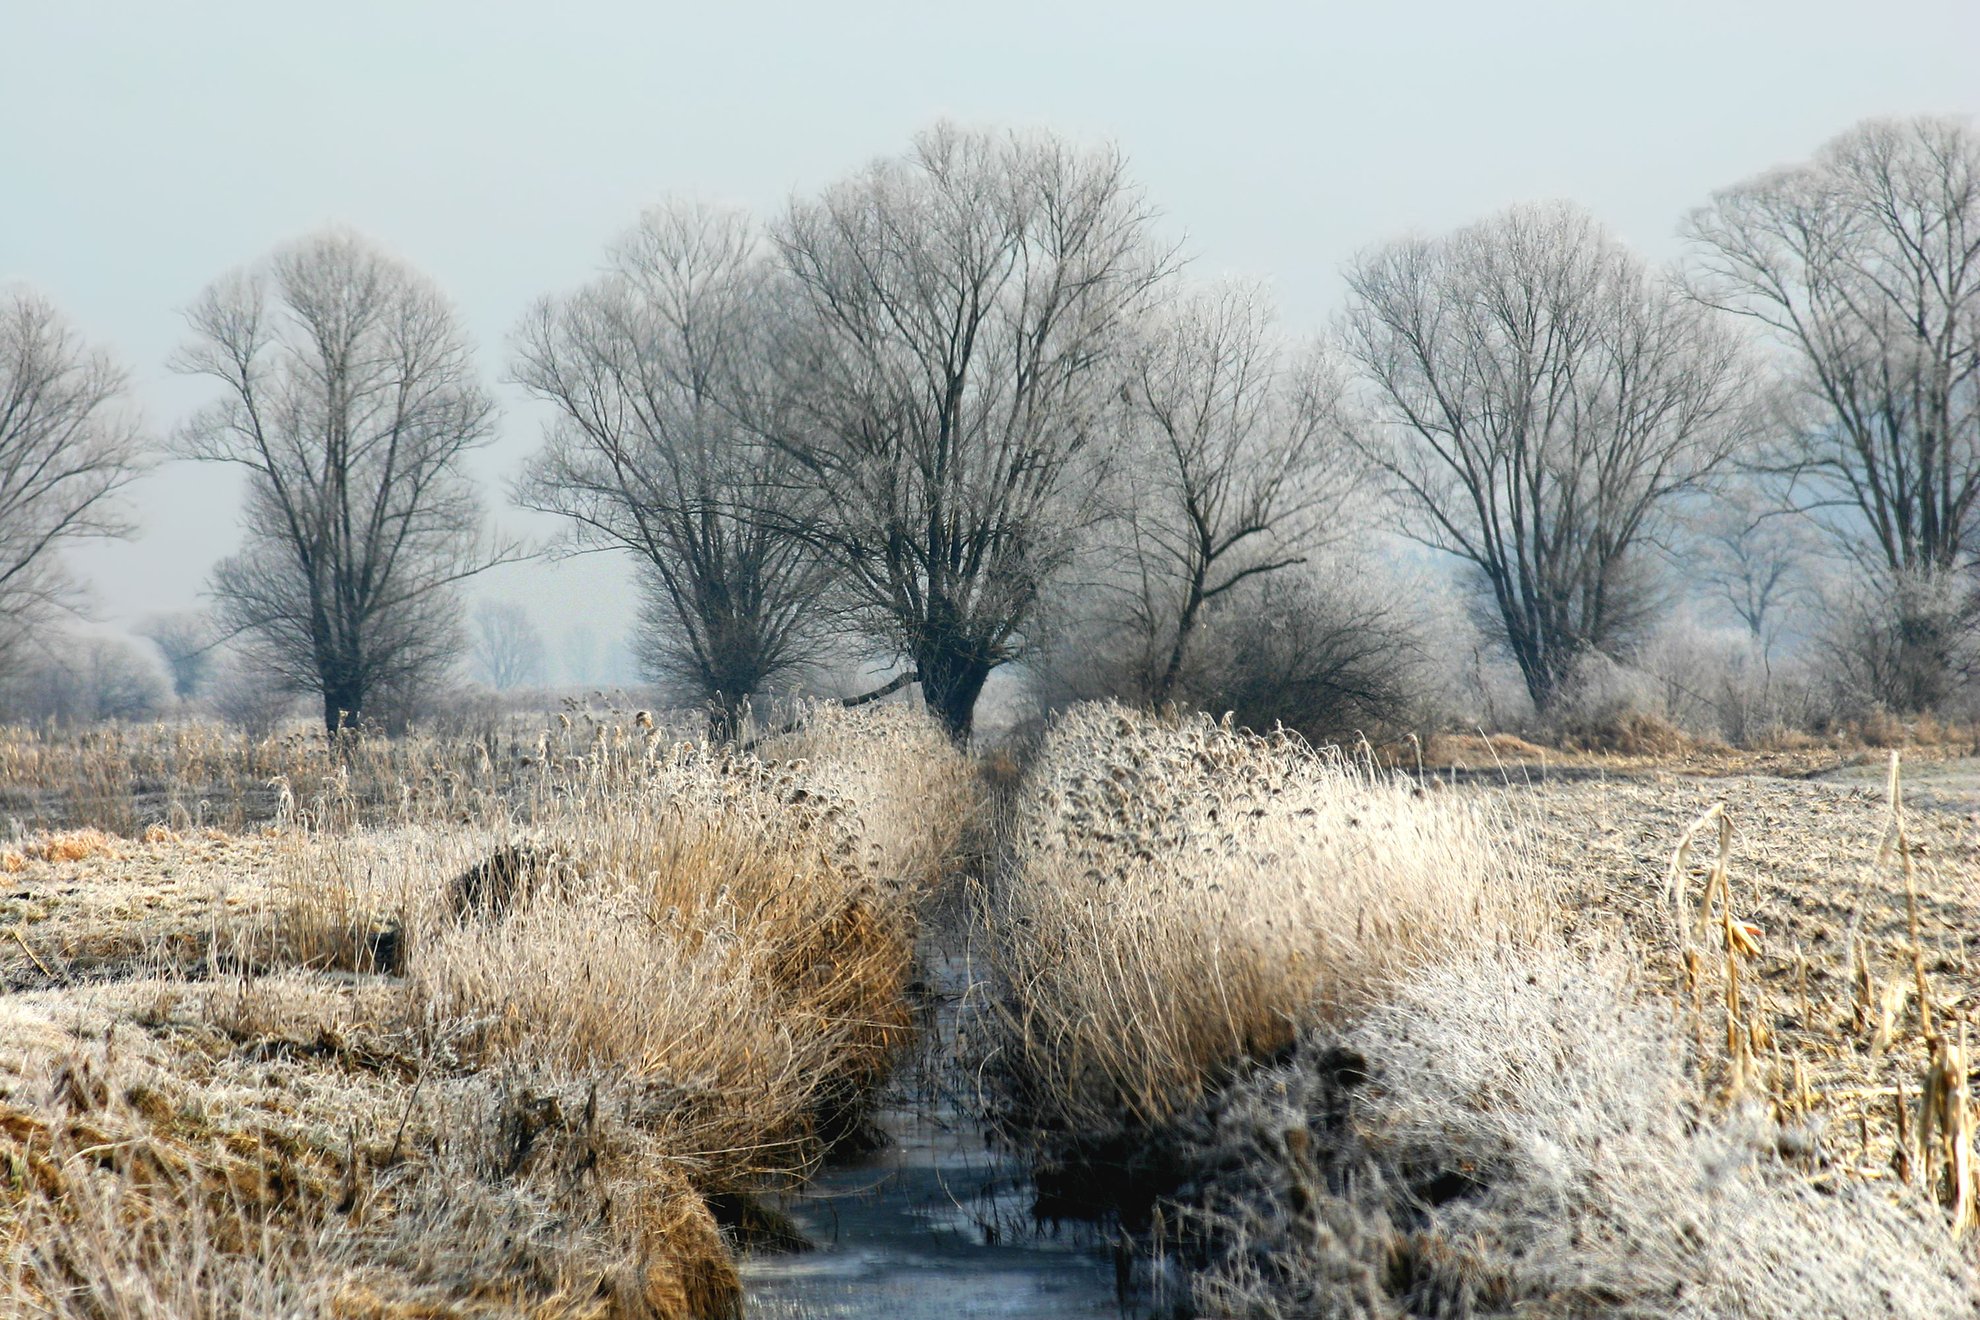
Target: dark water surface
(936,1226)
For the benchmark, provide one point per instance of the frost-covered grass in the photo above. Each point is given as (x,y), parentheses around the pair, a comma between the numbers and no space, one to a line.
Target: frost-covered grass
(1180,898)
(486,1061)
(1516,1134)
(1316,1035)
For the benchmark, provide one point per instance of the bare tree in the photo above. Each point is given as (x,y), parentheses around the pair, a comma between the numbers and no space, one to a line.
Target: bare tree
(581,656)
(660,375)
(1751,552)
(187,640)
(1539,399)
(350,397)
(508,648)
(67,448)
(1864,263)
(964,317)
(1237,466)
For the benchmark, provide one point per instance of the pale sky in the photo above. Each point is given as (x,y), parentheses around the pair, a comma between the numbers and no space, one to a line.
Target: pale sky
(147,147)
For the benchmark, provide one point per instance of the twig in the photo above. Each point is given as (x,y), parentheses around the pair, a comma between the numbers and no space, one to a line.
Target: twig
(406,1117)
(21,940)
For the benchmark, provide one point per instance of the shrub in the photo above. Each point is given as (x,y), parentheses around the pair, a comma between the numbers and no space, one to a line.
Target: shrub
(1904,641)
(1333,664)
(1320,653)
(84,680)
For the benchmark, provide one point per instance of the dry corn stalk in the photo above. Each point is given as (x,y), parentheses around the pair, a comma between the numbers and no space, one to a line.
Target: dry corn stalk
(1943,1134)
(1890,1014)
(1897,842)
(1864,1001)
(1737,940)
(1681,859)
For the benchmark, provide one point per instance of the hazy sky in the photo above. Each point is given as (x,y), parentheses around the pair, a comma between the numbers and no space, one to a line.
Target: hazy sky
(146,147)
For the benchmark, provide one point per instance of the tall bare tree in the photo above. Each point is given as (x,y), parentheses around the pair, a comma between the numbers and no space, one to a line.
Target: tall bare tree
(350,396)
(660,373)
(1864,264)
(67,448)
(1540,396)
(1237,468)
(188,642)
(965,310)
(508,648)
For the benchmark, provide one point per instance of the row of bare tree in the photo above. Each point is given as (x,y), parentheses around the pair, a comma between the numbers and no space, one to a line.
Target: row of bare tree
(911,409)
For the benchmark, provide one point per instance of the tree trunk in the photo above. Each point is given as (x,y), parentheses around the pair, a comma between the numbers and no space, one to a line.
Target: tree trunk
(950,685)
(1923,678)
(1165,683)
(1545,675)
(343,707)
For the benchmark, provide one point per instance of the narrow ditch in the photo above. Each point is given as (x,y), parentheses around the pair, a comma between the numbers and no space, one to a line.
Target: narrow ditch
(935,1225)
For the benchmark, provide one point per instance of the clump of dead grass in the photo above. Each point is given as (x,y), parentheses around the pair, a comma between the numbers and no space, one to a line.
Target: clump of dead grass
(912,792)
(697,967)
(1182,897)
(66,846)
(1624,732)
(259,1185)
(1518,1135)
(1312,1034)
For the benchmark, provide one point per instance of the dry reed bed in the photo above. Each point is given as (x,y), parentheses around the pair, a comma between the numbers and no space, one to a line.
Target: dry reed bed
(1181,897)
(1320,1035)
(193,774)
(391,1089)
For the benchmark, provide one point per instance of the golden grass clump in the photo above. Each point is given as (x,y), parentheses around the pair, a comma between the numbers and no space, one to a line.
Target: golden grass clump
(752,892)
(1181,897)
(69,846)
(499,1052)
(912,791)
(1630,733)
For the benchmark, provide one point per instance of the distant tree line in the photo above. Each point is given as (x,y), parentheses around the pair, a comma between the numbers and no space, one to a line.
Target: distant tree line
(967,407)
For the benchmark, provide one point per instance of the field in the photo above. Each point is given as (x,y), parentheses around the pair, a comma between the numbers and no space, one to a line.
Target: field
(541,1021)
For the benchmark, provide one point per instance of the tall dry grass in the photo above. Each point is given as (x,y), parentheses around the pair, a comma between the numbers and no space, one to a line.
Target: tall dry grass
(507,1045)
(1312,1034)
(1181,897)
(195,774)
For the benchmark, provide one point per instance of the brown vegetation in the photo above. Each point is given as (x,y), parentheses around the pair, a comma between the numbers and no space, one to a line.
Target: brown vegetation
(703,977)
(525,1037)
